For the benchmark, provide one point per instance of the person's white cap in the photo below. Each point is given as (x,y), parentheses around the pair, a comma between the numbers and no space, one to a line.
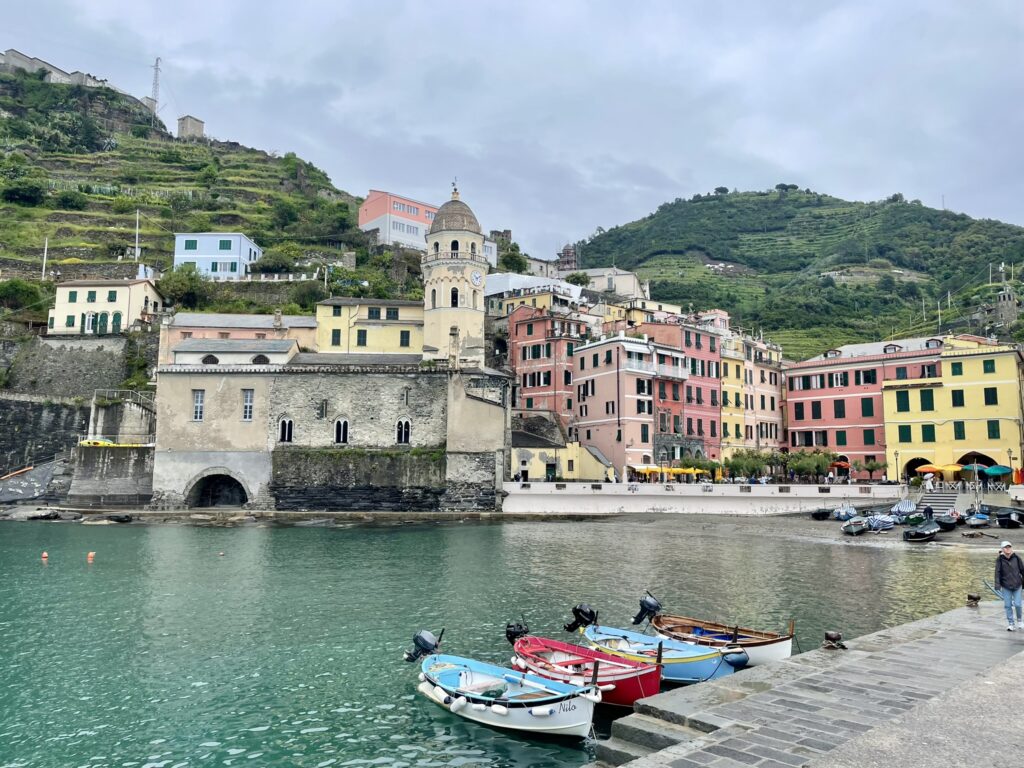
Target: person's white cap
(1005,544)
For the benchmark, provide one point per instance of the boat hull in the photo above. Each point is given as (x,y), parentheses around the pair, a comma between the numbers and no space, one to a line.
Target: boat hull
(682,662)
(762,647)
(622,682)
(531,704)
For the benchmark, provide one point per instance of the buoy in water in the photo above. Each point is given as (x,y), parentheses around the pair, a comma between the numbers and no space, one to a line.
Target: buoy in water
(90,557)
(46,556)
(220,554)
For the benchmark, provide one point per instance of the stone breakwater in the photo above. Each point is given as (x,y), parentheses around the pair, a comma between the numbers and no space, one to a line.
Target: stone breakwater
(799,711)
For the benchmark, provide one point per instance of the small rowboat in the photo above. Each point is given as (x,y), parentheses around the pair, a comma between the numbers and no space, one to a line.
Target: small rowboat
(923,533)
(946,522)
(823,513)
(879,523)
(855,526)
(978,520)
(504,698)
(761,646)
(845,512)
(621,681)
(1007,518)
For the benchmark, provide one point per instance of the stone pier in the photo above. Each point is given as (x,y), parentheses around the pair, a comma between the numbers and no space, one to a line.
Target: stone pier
(946,690)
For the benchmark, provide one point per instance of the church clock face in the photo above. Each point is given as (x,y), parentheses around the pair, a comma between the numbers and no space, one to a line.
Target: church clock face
(476,277)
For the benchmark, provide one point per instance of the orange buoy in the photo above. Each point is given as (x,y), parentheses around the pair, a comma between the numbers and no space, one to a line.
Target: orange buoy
(45,556)
(90,557)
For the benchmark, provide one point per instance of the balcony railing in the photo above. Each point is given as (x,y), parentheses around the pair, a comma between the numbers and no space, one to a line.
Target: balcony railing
(454,255)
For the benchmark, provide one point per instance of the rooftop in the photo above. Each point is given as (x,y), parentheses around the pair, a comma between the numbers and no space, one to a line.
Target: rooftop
(334,358)
(235,345)
(352,301)
(106,281)
(455,215)
(878,347)
(217,320)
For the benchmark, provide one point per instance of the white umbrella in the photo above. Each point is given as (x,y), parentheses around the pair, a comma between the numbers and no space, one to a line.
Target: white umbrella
(929,476)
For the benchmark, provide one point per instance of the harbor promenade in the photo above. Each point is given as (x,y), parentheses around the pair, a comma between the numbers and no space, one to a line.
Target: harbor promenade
(942,691)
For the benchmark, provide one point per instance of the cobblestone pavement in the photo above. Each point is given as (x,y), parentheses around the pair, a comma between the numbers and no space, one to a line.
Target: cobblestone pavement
(796,712)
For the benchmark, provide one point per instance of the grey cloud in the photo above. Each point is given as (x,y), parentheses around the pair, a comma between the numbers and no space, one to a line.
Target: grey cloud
(560,117)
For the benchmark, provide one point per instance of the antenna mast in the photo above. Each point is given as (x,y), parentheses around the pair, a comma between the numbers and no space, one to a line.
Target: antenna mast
(155,95)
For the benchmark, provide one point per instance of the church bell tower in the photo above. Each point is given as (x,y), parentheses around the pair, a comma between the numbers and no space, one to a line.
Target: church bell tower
(454,269)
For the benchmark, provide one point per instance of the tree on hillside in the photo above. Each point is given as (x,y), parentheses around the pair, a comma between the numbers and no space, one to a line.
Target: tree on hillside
(184,287)
(721,190)
(581,279)
(18,294)
(24,192)
(278,260)
(512,260)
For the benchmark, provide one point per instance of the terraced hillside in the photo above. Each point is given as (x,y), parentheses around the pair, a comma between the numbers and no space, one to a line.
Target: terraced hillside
(811,269)
(76,164)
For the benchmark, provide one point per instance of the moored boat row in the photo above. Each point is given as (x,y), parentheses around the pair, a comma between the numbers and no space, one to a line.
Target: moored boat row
(553,686)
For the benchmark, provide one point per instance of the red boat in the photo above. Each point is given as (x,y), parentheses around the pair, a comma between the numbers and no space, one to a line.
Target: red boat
(621,681)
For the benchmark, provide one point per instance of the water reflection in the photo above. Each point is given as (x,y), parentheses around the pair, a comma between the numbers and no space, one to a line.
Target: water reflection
(287,650)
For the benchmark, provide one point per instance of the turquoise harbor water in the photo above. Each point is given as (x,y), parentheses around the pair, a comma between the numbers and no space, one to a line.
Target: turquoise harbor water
(287,649)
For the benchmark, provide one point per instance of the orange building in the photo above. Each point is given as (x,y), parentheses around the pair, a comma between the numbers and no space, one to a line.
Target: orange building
(398,220)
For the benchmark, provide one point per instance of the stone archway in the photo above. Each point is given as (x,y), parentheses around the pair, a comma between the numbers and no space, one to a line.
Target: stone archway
(217,487)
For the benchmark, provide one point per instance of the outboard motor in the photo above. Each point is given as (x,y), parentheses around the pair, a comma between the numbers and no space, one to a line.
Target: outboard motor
(424,644)
(582,616)
(649,608)
(514,631)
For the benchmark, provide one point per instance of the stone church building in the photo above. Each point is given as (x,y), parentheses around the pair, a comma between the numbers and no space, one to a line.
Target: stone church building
(261,423)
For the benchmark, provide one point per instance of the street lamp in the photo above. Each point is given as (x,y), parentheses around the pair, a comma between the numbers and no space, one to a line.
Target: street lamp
(899,472)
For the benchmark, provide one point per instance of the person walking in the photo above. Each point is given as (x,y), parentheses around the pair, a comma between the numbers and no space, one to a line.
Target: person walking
(1009,580)
(929,513)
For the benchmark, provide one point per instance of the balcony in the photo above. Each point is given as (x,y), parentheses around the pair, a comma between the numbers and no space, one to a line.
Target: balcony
(453,256)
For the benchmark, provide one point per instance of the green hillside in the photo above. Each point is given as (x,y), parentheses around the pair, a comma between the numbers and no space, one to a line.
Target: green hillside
(811,269)
(76,163)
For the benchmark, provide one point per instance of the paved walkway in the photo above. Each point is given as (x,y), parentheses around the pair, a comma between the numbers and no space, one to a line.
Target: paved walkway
(934,682)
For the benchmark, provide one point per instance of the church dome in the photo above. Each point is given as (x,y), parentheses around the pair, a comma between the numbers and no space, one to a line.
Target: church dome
(455,215)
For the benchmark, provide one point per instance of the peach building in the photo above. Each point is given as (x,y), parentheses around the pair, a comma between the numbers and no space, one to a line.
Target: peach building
(398,220)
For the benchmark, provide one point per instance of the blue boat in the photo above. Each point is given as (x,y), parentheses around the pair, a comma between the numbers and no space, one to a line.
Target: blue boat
(881,522)
(501,697)
(681,662)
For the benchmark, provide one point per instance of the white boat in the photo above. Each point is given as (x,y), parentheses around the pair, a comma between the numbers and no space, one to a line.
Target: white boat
(504,698)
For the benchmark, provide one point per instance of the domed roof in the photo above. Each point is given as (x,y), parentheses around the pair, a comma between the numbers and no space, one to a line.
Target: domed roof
(455,215)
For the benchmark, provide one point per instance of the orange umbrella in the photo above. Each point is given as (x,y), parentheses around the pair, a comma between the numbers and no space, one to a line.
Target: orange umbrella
(928,468)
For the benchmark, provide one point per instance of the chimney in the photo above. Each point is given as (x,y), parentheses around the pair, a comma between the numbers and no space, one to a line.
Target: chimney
(277,320)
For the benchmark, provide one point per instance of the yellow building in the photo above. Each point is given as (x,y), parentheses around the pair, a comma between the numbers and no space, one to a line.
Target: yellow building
(965,407)
(569,462)
(101,307)
(346,325)
(733,396)
(546,300)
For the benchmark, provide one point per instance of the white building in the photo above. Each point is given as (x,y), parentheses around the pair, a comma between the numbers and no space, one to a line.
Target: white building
(217,255)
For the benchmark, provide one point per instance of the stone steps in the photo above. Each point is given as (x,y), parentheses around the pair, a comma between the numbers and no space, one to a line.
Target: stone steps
(637,735)
(941,502)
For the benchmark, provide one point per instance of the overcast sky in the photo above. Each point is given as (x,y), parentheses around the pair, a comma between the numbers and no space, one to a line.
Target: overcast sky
(561,116)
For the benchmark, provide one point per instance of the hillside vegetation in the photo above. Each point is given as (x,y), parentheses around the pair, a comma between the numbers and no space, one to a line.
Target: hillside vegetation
(77,163)
(811,269)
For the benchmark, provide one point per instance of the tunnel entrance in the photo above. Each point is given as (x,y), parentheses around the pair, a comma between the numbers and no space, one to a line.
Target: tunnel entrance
(217,491)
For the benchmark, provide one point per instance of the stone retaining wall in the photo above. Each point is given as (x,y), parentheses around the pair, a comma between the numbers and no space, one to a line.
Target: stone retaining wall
(355,480)
(111,477)
(31,430)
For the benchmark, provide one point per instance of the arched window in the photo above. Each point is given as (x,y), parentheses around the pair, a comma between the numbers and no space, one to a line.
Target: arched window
(476,299)
(433,298)
(455,246)
(402,432)
(341,431)
(472,247)
(260,360)
(210,360)
(437,247)
(284,434)
(455,297)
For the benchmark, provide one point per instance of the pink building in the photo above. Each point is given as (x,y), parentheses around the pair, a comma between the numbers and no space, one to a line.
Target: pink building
(541,348)
(834,401)
(624,390)
(209,325)
(398,220)
(701,406)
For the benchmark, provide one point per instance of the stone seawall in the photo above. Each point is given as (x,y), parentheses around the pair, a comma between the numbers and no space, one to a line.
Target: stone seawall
(355,480)
(108,477)
(34,428)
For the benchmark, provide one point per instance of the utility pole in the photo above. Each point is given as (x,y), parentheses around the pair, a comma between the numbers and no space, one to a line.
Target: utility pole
(155,93)
(924,310)
(940,314)
(949,299)
(136,234)
(46,248)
